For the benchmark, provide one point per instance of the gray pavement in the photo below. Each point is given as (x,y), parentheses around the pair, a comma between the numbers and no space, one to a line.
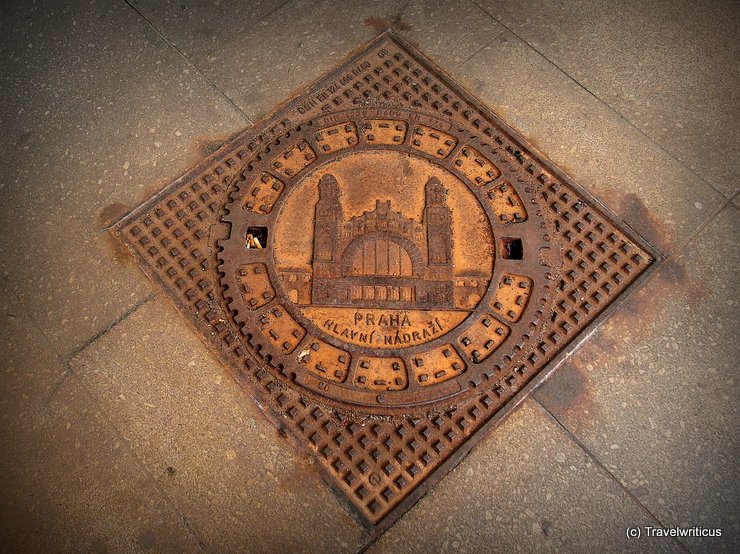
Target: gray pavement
(120,432)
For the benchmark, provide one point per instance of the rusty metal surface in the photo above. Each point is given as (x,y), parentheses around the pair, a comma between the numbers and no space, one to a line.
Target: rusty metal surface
(380,254)
(383,265)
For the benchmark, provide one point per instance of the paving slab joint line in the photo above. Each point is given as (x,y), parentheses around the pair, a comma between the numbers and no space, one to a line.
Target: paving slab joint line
(27,313)
(487,43)
(727,203)
(399,15)
(603,467)
(366,546)
(142,466)
(609,107)
(69,373)
(264,17)
(113,324)
(480,48)
(67,363)
(190,63)
(52,394)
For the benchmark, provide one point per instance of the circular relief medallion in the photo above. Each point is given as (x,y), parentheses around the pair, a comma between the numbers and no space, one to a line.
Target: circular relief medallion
(369,247)
(384,260)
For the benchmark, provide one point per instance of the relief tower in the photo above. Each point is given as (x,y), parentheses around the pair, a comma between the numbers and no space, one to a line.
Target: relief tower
(438,220)
(382,258)
(328,218)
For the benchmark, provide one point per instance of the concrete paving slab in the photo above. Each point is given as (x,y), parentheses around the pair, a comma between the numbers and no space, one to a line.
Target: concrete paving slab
(448,33)
(272,60)
(197,27)
(527,488)
(210,448)
(67,481)
(656,195)
(659,406)
(31,370)
(667,66)
(97,110)
(298,42)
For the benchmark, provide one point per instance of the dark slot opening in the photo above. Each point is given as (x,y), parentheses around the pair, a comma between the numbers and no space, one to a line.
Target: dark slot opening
(256,237)
(512,249)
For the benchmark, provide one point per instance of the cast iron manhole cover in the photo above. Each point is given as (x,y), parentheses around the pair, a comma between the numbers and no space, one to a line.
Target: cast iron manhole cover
(385,266)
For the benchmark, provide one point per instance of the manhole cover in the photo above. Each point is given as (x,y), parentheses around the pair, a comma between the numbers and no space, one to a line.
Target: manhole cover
(384,265)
